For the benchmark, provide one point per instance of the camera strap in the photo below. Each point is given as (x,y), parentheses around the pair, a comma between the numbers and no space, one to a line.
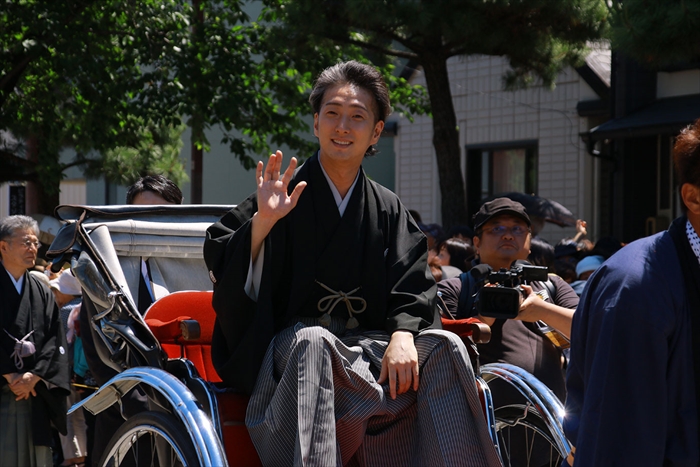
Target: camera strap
(554,336)
(466,297)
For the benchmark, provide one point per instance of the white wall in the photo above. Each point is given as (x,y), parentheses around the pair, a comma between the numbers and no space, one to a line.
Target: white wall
(678,83)
(487,114)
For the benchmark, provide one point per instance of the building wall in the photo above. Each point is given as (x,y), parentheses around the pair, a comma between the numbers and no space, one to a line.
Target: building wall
(487,114)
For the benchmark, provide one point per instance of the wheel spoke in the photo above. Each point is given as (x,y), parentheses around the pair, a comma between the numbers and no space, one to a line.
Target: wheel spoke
(524,438)
(152,439)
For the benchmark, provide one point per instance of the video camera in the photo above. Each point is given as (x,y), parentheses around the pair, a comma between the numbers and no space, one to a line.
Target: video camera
(502,300)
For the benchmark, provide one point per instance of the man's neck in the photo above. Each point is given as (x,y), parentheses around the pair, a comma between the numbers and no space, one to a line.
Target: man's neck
(341,176)
(14,272)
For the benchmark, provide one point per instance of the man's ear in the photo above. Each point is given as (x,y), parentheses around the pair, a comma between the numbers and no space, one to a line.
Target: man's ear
(475,242)
(691,197)
(378,128)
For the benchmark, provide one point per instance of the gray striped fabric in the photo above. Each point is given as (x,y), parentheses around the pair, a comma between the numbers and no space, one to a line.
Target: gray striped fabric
(16,446)
(317,403)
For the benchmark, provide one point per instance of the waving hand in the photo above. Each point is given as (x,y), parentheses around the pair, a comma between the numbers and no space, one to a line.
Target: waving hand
(273,201)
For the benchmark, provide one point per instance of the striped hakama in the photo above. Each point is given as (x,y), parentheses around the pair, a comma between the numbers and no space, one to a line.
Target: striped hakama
(17,447)
(317,403)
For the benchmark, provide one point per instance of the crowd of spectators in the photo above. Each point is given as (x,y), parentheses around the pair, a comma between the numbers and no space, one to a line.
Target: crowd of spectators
(573,259)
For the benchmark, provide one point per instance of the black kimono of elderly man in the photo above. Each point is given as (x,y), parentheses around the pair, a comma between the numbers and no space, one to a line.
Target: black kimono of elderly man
(28,314)
(344,304)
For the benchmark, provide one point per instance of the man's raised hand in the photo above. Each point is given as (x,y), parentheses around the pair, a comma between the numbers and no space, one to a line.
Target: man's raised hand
(273,201)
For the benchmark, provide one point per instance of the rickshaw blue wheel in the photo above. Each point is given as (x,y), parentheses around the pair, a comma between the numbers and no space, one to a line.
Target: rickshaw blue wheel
(521,431)
(157,436)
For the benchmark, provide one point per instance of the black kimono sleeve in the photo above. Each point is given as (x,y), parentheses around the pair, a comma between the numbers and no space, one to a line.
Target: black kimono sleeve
(51,359)
(243,330)
(411,303)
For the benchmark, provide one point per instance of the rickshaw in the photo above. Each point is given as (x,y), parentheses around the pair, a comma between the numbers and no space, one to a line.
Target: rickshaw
(192,419)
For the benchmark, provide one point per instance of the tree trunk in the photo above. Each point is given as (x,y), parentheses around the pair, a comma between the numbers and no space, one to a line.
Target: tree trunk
(445,141)
(196,174)
(197,130)
(32,197)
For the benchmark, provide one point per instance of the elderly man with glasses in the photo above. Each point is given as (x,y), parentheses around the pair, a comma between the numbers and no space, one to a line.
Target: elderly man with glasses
(33,355)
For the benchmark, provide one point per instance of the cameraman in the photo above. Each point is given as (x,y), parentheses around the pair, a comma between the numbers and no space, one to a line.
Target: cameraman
(503,236)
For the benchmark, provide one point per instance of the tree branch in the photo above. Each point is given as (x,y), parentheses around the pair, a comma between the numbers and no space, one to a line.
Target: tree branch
(75,163)
(10,79)
(383,50)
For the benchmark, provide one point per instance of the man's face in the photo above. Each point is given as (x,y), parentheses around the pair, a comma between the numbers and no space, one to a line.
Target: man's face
(19,251)
(504,239)
(345,125)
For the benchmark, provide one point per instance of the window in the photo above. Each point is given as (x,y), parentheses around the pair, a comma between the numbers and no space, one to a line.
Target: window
(500,168)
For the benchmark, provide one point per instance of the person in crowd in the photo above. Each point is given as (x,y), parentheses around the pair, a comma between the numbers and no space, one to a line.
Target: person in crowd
(463,232)
(502,237)
(436,268)
(541,254)
(43,278)
(154,189)
(584,269)
(416,216)
(33,356)
(434,234)
(532,340)
(566,270)
(68,297)
(148,190)
(326,307)
(581,231)
(633,379)
(606,247)
(456,253)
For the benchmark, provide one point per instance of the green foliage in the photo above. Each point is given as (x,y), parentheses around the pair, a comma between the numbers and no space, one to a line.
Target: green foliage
(98,75)
(155,152)
(538,37)
(657,32)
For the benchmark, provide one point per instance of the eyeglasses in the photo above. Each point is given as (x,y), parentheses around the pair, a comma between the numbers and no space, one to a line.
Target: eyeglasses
(515,231)
(29,244)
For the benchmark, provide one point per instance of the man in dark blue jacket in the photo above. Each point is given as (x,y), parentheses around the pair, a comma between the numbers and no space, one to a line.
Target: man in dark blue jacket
(632,382)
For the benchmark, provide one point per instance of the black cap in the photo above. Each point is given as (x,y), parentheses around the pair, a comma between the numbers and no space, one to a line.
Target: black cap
(500,207)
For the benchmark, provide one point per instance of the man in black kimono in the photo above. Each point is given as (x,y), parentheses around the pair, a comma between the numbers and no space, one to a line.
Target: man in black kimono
(32,352)
(326,307)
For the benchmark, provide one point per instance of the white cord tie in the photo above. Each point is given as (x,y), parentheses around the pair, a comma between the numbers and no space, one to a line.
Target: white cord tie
(23,349)
(328,303)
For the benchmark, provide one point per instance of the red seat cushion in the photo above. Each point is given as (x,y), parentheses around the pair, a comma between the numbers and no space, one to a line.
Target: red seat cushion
(461,327)
(166,331)
(164,317)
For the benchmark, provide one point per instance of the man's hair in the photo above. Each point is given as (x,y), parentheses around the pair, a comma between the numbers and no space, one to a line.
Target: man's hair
(565,270)
(11,224)
(461,253)
(686,156)
(158,184)
(541,254)
(357,74)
